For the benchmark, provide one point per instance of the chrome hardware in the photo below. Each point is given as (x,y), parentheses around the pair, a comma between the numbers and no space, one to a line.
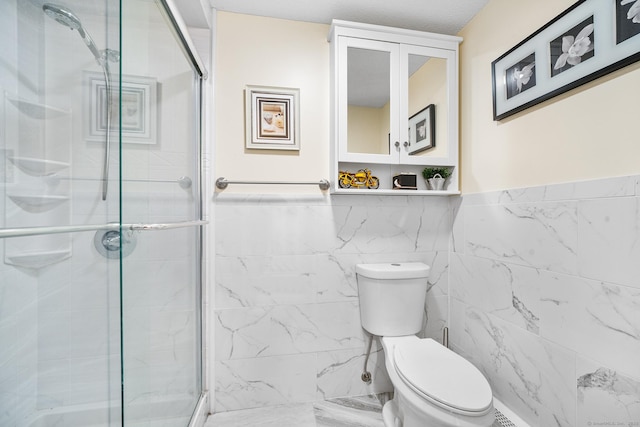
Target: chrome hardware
(397,144)
(366,375)
(222,183)
(406,144)
(185,182)
(41,231)
(109,243)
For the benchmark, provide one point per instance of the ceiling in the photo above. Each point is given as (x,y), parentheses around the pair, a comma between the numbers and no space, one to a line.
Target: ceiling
(437,16)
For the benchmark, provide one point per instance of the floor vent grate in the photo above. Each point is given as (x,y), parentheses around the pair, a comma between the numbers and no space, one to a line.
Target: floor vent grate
(502,420)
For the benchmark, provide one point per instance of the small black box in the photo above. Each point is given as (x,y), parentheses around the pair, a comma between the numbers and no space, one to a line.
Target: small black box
(405,181)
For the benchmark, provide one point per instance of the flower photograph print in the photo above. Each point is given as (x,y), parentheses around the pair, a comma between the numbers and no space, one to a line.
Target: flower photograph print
(521,76)
(565,54)
(627,19)
(573,47)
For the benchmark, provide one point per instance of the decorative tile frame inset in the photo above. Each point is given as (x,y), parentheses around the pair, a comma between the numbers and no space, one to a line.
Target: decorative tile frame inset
(134,103)
(587,41)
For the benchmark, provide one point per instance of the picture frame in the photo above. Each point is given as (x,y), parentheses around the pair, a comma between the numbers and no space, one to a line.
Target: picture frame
(590,39)
(422,130)
(272,117)
(139,110)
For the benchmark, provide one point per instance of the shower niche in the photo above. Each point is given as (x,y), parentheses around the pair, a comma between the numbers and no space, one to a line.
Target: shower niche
(37,158)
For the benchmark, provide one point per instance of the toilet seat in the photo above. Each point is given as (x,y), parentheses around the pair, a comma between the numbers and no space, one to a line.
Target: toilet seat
(442,377)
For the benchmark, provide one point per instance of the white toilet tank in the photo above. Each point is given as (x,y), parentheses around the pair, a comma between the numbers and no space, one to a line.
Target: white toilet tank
(392,297)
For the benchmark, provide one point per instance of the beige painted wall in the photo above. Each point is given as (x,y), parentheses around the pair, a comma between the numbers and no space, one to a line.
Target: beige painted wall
(367,131)
(587,133)
(427,86)
(584,134)
(253,50)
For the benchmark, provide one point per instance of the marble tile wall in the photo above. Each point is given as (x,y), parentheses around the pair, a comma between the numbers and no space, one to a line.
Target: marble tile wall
(545,299)
(286,315)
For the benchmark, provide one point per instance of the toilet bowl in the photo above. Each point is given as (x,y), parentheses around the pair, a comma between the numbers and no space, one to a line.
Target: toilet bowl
(434,387)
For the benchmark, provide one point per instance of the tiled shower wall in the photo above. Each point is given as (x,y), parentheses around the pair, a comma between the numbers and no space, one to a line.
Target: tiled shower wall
(287,323)
(545,299)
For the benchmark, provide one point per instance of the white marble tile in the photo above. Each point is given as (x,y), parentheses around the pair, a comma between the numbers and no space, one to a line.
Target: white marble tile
(597,320)
(298,414)
(287,329)
(557,390)
(456,205)
(264,381)
(609,244)
(339,373)
(508,291)
(269,280)
(606,397)
(383,229)
(592,189)
(360,228)
(349,412)
(436,315)
(531,376)
(537,235)
(241,230)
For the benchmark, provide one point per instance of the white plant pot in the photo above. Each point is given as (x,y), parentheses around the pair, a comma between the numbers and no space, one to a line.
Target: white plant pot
(436,183)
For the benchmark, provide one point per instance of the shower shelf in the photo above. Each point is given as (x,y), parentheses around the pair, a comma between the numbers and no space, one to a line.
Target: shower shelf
(36,110)
(38,167)
(38,259)
(39,203)
(36,149)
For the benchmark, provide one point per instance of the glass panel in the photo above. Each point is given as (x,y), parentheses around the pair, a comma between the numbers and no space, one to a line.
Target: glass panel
(59,298)
(368,112)
(160,273)
(428,86)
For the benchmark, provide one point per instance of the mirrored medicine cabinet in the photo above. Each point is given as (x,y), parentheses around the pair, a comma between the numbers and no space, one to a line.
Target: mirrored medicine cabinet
(395,106)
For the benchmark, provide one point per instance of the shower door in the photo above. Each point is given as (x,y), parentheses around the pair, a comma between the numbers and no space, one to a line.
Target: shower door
(100,208)
(160,186)
(60,353)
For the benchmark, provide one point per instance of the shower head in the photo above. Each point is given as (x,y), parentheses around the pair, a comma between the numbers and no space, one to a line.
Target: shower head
(63,16)
(67,18)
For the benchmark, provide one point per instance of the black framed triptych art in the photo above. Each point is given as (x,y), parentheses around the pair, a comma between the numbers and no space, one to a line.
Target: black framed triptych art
(587,41)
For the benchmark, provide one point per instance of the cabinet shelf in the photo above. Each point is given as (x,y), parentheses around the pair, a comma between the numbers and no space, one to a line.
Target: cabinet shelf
(384,192)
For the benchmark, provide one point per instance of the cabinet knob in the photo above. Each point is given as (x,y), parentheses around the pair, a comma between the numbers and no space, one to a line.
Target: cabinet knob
(397,144)
(406,144)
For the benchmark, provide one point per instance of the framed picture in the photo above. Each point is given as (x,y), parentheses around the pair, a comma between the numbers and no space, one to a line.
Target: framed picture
(422,129)
(587,41)
(136,100)
(272,118)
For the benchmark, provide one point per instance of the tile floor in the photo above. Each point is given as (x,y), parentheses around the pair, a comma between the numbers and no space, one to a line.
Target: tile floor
(365,411)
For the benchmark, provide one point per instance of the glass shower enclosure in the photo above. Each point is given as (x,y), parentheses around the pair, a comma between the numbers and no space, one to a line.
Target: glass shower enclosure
(100,214)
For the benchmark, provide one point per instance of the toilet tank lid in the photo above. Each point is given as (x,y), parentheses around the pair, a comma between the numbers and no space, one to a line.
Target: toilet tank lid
(396,270)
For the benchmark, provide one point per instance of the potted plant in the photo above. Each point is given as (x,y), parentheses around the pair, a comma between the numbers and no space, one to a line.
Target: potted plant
(436,177)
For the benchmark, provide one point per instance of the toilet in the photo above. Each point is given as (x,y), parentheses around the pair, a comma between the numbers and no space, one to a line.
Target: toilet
(433,386)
